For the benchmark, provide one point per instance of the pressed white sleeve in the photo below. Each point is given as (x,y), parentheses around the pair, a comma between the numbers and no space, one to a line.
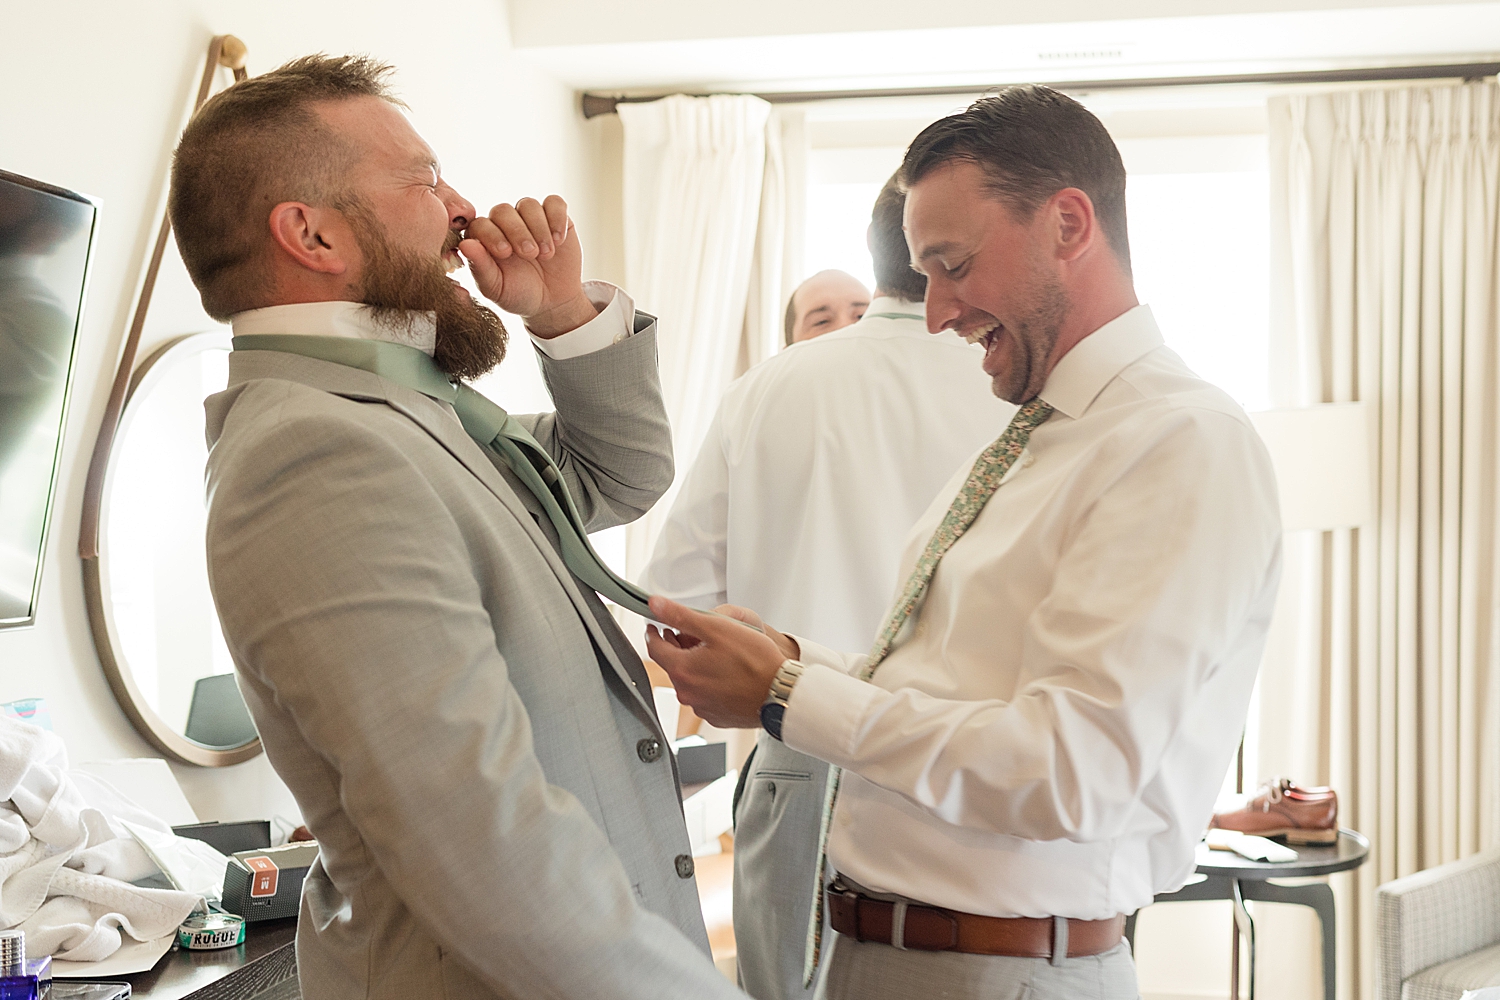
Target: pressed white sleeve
(814,653)
(612,325)
(688,563)
(1153,589)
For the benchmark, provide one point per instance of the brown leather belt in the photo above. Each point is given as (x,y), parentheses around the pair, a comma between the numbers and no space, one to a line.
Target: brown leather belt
(931,928)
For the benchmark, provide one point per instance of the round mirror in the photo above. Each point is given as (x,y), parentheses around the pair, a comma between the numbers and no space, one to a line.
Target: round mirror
(149,603)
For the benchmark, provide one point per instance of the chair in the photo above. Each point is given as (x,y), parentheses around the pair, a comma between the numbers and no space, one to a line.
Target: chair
(1437,933)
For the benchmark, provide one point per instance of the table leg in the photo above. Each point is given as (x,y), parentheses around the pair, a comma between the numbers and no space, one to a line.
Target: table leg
(1245,926)
(1318,896)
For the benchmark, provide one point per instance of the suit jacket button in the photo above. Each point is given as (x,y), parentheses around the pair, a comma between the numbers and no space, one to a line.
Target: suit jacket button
(649,749)
(684,866)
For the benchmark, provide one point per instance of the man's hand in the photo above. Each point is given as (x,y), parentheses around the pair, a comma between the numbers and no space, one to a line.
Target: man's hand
(718,666)
(527,260)
(788,645)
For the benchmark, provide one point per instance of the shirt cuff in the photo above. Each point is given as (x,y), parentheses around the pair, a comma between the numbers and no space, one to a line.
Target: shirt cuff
(815,652)
(612,325)
(824,713)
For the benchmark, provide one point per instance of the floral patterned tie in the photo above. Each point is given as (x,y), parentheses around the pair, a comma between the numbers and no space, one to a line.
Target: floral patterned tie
(984,478)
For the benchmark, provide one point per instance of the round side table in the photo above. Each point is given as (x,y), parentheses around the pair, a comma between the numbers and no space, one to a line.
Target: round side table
(1226,875)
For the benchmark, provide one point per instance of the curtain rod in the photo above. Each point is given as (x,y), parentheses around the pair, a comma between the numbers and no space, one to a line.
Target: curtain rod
(605,104)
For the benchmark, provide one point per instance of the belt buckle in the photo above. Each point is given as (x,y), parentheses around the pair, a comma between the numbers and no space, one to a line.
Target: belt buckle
(898,926)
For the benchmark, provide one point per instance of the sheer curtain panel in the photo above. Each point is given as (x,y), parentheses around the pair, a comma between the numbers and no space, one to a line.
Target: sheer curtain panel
(694,173)
(1381,675)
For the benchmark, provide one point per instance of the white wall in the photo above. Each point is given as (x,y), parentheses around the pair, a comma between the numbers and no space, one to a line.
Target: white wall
(582,22)
(94,95)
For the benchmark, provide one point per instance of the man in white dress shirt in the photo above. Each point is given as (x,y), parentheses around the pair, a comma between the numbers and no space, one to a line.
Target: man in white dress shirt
(818,463)
(1032,747)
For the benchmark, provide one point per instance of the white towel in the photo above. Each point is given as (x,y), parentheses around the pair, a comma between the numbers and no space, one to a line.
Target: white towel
(66,860)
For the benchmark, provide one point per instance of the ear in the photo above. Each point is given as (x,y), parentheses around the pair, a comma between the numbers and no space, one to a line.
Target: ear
(870,237)
(317,239)
(1071,211)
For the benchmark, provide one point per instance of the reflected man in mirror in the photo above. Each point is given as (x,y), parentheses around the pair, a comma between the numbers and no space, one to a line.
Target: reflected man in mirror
(468,734)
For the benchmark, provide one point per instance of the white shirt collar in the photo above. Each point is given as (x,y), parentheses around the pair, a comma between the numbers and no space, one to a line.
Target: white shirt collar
(1094,361)
(338,319)
(889,306)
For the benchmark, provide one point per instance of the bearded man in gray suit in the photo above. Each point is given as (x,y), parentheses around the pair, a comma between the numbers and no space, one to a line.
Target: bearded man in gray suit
(468,734)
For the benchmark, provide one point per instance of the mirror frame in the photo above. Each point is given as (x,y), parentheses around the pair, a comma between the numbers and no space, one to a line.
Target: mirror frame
(121,681)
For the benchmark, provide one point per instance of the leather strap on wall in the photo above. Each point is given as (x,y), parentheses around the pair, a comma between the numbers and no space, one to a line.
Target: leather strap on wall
(223,50)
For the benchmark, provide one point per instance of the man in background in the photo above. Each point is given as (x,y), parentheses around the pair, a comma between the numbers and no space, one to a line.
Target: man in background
(817,465)
(828,301)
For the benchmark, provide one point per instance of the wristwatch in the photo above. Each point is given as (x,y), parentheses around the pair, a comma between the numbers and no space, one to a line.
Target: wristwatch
(774,709)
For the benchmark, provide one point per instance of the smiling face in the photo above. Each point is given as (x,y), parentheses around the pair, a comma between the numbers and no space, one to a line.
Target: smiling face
(990,275)
(397,175)
(828,301)
(407,223)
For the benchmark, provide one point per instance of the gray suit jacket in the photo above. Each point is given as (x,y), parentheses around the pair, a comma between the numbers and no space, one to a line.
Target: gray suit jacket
(467,732)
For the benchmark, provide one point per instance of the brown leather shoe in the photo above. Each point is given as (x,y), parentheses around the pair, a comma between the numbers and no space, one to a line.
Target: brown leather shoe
(1282,809)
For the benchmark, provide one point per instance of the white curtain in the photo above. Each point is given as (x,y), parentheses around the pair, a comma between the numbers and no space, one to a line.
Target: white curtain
(1384,677)
(777,265)
(696,193)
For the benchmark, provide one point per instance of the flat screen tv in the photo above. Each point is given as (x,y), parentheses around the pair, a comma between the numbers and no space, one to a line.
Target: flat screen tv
(46,234)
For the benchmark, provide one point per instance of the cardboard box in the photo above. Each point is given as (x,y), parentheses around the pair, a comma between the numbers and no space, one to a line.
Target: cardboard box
(267,884)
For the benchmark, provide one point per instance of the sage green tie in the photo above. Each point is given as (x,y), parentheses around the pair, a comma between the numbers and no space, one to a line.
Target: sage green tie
(984,479)
(489,425)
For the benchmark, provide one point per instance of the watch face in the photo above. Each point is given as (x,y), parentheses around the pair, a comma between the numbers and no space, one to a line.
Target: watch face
(771,715)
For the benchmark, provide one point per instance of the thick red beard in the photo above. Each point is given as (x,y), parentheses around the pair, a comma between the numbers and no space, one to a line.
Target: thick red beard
(471,339)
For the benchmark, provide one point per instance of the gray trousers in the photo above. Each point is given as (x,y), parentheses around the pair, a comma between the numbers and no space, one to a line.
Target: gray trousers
(777,816)
(864,970)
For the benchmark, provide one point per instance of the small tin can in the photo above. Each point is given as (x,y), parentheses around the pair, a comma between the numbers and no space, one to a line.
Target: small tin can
(206,931)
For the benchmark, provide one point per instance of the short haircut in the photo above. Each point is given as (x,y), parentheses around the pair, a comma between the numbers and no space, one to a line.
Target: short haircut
(254,145)
(1031,142)
(892,257)
(790,324)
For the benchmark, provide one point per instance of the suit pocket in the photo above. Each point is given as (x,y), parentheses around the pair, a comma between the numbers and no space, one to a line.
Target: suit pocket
(783,776)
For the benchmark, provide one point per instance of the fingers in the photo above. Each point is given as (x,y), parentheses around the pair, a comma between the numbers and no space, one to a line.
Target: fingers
(739,614)
(487,273)
(488,235)
(525,226)
(685,619)
(557,217)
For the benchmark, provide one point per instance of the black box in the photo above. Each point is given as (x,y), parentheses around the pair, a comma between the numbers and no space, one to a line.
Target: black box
(267,884)
(226,838)
(701,762)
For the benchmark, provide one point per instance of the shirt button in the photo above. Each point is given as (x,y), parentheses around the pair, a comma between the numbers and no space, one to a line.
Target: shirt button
(1028,461)
(649,749)
(684,866)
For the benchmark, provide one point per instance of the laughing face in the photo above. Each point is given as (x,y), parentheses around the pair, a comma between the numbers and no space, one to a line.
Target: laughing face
(989,276)
(409,222)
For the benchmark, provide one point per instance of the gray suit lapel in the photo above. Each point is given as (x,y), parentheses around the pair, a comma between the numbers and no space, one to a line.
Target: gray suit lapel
(441,423)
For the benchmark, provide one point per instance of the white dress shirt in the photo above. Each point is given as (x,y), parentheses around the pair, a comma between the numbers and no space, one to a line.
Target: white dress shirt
(817,464)
(354,319)
(1049,734)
